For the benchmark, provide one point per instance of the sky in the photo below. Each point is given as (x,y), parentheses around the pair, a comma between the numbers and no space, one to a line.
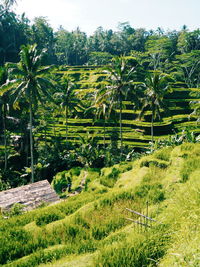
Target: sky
(90,14)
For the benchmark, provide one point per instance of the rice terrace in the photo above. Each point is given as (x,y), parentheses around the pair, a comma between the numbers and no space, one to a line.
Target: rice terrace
(99,134)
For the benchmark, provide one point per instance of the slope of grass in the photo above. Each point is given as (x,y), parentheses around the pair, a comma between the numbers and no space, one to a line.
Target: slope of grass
(93,230)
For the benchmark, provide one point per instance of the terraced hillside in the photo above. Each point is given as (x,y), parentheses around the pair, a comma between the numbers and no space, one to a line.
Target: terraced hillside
(136,133)
(91,229)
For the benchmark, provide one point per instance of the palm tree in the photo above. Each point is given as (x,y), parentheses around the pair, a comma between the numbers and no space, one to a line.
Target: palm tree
(156,86)
(3,109)
(101,107)
(9,3)
(88,151)
(120,76)
(68,99)
(29,79)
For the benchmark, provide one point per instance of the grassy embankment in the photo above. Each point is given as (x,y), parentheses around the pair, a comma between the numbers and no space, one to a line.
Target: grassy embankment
(91,229)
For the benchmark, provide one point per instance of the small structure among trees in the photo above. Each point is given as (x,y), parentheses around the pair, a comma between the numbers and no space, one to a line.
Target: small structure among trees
(30,196)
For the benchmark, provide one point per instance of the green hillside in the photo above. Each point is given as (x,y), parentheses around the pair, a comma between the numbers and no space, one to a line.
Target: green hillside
(136,133)
(92,229)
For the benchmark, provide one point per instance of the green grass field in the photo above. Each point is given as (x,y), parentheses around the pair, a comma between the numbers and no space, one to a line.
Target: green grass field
(91,229)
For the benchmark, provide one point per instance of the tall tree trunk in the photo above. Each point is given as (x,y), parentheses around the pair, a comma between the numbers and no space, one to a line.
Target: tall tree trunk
(45,139)
(76,58)
(31,141)
(66,117)
(104,134)
(120,121)
(66,54)
(152,129)
(54,126)
(5,137)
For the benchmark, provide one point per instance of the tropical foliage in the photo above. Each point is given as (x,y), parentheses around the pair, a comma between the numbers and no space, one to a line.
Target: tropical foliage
(27,80)
(111,120)
(156,86)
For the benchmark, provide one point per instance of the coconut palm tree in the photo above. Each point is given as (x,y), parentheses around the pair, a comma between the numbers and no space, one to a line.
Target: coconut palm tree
(3,109)
(120,78)
(88,151)
(68,99)
(29,79)
(156,86)
(101,107)
(9,3)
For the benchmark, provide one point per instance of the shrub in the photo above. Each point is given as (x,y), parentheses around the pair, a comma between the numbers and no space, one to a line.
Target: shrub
(17,209)
(75,171)
(61,181)
(49,216)
(3,185)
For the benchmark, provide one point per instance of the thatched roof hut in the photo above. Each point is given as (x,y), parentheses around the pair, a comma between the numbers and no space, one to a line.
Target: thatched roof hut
(30,196)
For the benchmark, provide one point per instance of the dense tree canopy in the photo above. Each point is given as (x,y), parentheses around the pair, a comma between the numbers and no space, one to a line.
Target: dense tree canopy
(159,47)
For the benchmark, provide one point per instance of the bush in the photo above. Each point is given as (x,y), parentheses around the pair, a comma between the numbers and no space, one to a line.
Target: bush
(61,181)
(17,209)
(49,216)
(3,185)
(75,171)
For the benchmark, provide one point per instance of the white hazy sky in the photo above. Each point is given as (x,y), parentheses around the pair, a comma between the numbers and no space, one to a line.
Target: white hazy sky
(90,14)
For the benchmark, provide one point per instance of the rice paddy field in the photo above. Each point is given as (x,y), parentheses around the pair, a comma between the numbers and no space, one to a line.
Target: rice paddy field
(136,133)
(94,228)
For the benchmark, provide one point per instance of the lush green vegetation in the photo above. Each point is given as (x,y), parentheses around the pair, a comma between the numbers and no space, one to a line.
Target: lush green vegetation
(90,229)
(88,120)
(97,96)
(109,132)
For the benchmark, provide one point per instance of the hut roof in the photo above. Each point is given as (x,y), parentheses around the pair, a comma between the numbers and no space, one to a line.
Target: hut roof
(30,195)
